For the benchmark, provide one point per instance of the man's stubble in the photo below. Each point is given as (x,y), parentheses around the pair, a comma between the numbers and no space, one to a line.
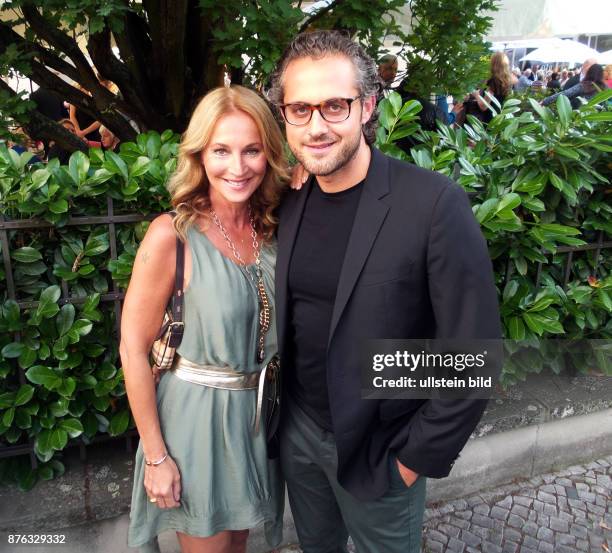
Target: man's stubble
(326,167)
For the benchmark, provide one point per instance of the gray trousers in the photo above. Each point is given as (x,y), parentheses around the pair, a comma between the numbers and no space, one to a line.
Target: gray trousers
(325,514)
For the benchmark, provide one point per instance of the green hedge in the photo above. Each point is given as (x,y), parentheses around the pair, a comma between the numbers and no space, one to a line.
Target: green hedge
(540,180)
(69,352)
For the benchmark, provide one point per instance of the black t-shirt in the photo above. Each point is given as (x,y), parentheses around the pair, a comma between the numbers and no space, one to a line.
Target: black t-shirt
(314,272)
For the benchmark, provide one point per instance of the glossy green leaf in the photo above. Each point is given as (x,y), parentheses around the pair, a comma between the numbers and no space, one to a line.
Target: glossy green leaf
(65,318)
(26,255)
(24,394)
(43,376)
(72,426)
(516,328)
(12,350)
(119,423)
(58,439)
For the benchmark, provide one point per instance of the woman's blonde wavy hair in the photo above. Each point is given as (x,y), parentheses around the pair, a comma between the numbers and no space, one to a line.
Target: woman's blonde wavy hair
(189,186)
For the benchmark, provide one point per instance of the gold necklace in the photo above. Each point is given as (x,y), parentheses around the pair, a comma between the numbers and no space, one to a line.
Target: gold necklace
(263,301)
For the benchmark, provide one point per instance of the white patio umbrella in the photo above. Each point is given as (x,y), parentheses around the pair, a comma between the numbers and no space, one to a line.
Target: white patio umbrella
(605,57)
(569,51)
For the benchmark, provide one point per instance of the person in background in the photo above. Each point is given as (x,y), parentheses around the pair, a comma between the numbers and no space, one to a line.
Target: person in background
(85,126)
(540,81)
(554,83)
(23,143)
(108,140)
(55,150)
(516,73)
(608,75)
(579,75)
(564,78)
(592,83)
(442,106)
(524,81)
(499,86)
(387,70)
(429,115)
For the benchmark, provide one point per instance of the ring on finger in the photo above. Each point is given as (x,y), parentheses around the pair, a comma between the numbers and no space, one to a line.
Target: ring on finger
(153,499)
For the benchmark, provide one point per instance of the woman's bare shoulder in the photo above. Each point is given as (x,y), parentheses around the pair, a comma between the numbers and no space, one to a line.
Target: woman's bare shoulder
(161,230)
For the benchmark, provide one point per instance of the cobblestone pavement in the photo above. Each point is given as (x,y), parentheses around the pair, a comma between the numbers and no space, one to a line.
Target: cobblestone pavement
(566,512)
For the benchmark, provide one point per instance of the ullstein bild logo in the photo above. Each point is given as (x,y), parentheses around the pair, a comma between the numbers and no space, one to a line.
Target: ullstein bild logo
(425,369)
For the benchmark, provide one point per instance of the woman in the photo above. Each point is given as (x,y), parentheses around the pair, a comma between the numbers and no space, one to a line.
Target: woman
(85,126)
(587,88)
(201,468)
(499,86)
(608,75)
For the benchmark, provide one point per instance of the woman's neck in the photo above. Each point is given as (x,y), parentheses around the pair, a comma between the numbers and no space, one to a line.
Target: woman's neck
(231,214)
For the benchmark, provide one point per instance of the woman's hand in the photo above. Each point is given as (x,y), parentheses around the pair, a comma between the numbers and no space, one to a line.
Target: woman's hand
(163,483)
(299,176)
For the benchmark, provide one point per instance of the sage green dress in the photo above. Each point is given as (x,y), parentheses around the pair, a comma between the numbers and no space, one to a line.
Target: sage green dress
(227,481)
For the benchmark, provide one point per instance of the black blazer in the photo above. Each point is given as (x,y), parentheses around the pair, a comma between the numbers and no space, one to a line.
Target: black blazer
(416,266)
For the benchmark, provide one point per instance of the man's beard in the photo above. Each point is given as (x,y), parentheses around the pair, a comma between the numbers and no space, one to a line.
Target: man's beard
(330,164)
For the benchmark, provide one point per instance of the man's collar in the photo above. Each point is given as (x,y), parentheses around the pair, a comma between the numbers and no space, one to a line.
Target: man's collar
(377,177)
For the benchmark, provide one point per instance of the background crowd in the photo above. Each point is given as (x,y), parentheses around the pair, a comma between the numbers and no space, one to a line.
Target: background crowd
(583,82)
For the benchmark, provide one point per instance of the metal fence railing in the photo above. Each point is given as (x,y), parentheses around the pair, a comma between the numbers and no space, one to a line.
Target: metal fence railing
(115,296)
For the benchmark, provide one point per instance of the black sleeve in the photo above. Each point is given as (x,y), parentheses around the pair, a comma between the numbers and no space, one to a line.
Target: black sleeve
(465,305)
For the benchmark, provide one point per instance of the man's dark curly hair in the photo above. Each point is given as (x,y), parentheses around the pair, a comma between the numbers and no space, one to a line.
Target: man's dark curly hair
(318,44)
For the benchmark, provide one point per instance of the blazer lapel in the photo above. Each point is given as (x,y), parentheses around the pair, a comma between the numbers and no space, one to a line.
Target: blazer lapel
(291,215)
(371,213)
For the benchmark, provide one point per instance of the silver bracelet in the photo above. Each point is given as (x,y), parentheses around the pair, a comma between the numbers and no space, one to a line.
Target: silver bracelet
(155,463)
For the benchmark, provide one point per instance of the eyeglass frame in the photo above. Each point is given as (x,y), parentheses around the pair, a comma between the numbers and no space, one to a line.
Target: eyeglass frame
(317,107)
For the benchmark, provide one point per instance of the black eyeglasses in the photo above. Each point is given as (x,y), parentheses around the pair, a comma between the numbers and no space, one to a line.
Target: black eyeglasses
(335,110)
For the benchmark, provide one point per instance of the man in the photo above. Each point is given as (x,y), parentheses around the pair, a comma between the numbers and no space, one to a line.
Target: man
(579,76)
(370,247)
(564,78)
(524,81)
(387,70)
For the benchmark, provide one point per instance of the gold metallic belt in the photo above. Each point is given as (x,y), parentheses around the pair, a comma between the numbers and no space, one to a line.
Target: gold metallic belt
(226,378)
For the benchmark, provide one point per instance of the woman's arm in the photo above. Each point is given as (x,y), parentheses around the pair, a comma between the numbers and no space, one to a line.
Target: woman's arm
(93,127)
(571,92)
(150,289)
(73,119)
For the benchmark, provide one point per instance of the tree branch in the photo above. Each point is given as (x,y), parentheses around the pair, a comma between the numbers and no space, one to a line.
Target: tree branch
(49,58)
(319,14)
(134,104)
(65,44)
(134,46)
(40,127)
(100,107)
(172,53)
